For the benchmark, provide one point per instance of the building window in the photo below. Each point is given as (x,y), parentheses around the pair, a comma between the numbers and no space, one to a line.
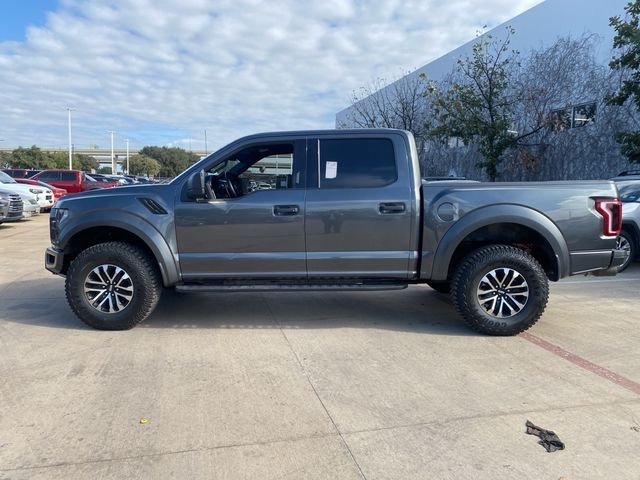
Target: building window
(572,117)
(584,114)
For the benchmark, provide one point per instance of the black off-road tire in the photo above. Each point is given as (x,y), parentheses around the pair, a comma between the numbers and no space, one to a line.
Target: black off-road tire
(475,266)
(145,278)
(440,287)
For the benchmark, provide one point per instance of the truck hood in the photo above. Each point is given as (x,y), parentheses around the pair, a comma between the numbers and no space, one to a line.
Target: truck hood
(106,193)
(20,189)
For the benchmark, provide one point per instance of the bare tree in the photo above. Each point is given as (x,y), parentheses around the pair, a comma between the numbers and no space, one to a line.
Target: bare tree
(400,104)
(571,127)
(560,124)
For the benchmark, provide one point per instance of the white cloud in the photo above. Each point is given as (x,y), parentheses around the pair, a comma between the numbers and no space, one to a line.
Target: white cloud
(162,71)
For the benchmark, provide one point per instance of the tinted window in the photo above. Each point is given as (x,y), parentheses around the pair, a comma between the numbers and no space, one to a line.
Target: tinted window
(49,176)
(68,176)
(630,194)
(358,162)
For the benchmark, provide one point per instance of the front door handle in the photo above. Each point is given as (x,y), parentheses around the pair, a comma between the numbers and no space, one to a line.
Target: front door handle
(285,210)
(391,207)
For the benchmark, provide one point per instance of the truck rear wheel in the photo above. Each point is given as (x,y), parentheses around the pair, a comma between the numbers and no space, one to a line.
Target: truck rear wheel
(113,286)
(500,290)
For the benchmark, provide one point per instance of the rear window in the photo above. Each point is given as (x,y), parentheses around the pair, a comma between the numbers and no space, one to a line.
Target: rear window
(68,176)
(357,163)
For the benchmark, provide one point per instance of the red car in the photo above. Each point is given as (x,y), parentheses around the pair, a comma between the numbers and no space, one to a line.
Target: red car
(20,172)
(73,181)
(57,192)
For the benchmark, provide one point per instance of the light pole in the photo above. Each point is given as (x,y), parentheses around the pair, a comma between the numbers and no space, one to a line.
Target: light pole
(69,130)
(205,142)
(128,157)
(113,158)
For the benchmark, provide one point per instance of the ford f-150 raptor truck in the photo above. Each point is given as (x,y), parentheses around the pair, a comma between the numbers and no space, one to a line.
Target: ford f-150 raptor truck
(330,210)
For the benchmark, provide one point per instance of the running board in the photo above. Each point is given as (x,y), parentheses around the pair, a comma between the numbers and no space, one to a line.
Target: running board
(293,287)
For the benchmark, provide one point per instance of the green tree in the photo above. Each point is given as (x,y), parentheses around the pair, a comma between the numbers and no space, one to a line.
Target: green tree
(476,104)
(172,160)
(5,160)
(143,165)
(627,62)
(83,162)
(31,158)
(78,161)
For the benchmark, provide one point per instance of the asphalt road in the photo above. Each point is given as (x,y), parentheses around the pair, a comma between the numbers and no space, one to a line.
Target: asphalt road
(313,385)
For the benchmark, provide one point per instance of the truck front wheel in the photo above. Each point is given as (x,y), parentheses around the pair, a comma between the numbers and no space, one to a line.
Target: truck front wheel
(113,286)
(500,290)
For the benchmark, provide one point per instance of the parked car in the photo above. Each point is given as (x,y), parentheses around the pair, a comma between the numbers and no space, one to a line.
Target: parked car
(349,212)
(30,206)
(101,177)
(11,207)
(58,193)
(38,193)
(20,172)
(627,175)
(73,181)
(629,239)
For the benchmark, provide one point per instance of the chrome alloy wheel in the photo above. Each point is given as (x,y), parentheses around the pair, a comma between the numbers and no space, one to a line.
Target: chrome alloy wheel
(503,293)
(108,288)
(623,244)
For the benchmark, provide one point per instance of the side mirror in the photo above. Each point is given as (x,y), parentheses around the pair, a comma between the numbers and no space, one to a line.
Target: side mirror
(195,186)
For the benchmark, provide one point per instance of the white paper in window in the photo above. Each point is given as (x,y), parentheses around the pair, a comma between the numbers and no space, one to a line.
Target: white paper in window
(331,170)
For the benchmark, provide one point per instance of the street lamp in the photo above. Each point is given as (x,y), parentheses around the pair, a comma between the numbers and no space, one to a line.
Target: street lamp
(69,129)
(113,158)
(128,172)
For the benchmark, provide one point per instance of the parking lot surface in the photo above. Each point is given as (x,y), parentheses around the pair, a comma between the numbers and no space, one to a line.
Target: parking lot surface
(375,385)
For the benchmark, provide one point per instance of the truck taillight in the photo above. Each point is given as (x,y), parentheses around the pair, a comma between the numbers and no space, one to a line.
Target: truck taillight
(611,211)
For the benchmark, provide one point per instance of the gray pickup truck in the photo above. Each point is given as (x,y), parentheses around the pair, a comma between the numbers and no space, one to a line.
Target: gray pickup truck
(330,210)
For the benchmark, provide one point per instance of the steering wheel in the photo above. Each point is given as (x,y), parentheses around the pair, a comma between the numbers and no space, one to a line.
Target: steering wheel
(229,186)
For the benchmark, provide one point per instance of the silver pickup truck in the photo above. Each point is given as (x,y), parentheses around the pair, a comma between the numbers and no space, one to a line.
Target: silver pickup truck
(330,210)
(11,206)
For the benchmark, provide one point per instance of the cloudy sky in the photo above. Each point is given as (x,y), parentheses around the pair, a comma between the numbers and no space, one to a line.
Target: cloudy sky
(162,71)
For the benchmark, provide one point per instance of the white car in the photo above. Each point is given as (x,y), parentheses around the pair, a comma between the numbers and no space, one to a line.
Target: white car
(30,205)
(44,200)
(629,238)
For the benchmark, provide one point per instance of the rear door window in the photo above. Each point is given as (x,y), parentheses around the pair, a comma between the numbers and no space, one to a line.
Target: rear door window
(356,163)
(68,176)
(49,176)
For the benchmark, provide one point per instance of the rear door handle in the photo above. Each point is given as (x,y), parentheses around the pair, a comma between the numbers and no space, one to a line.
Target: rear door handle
(391,207)
(286,210)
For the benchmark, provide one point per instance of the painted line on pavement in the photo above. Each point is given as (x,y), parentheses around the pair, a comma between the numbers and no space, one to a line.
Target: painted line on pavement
(613,377)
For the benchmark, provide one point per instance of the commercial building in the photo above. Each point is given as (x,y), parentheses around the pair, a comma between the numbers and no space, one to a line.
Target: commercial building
(536,29)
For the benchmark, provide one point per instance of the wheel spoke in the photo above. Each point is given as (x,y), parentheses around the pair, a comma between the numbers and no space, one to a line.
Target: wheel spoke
(502,292)
(108,288)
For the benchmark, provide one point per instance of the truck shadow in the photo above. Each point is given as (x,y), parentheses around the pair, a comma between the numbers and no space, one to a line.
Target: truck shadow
(41,302)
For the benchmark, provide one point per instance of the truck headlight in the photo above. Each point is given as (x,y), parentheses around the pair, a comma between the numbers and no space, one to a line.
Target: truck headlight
(56,216)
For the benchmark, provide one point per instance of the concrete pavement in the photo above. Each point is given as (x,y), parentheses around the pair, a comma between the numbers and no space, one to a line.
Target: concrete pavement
(378,385)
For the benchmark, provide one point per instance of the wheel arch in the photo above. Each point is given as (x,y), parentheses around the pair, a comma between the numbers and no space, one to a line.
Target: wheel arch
(514,225)
(634,230)
(92,231)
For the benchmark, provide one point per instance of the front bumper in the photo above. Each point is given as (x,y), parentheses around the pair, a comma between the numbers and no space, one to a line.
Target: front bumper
(54,260)
(618,257)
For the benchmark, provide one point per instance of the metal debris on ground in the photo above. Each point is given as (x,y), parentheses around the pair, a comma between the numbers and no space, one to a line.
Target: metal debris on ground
(548,439)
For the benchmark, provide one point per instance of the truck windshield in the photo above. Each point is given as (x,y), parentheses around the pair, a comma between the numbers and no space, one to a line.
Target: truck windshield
(630,193)
(4,178)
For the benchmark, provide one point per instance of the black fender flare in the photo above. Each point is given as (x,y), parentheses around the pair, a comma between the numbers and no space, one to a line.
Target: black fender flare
(493,214)
(137,226)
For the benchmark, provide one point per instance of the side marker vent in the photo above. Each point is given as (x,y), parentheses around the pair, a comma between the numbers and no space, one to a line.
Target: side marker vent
(153,206)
